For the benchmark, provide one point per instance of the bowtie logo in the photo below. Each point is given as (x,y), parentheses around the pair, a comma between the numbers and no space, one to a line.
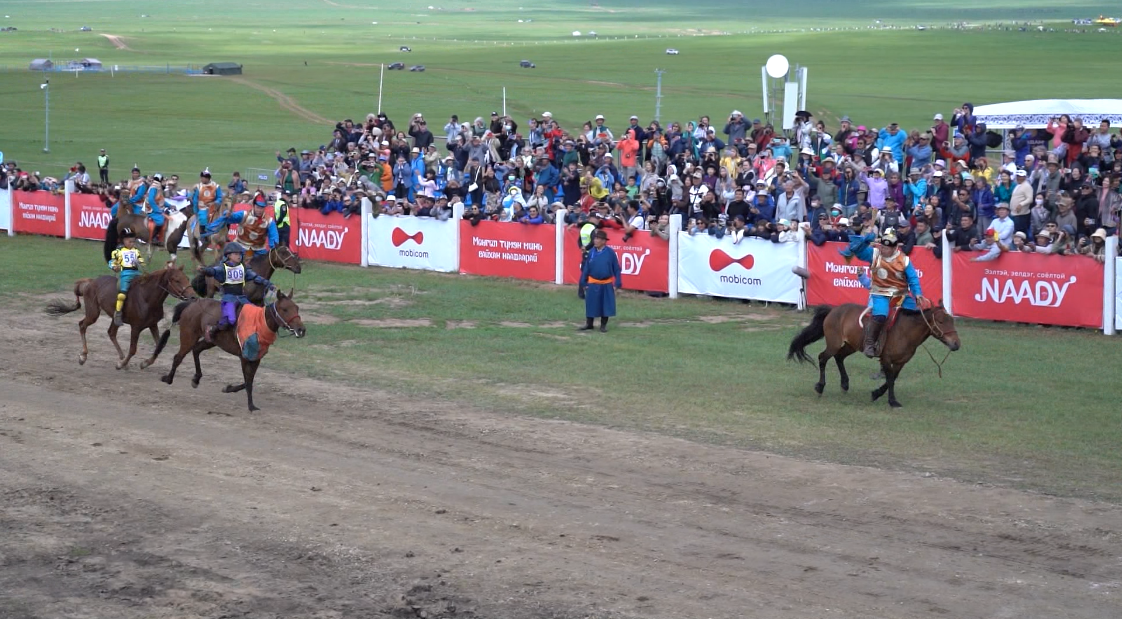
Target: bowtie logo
(718,260)
(399,237)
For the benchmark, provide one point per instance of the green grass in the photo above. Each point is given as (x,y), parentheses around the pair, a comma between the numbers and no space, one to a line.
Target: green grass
(174,123)
(1018,406)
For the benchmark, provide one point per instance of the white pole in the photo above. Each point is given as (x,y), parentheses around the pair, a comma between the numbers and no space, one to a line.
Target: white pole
(68,188)
(763,79)
(1110,283)
(381,76)
(802,262)
(675,230)
(7,202)
(366,212)
(948,260)
(504,100)
(559,229)
(457,219)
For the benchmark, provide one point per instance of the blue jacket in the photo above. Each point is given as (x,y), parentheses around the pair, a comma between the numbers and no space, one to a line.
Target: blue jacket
(332,206)
(1020,145)
(548,177)
(884,138)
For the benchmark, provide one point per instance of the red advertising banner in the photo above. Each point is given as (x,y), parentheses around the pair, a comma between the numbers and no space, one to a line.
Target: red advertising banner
(328,237)
(833,281)
(89,217)
(39,212)
(1032,288)
(644,260)
(504,249)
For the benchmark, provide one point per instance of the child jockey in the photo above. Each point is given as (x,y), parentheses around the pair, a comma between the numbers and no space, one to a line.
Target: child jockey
(154,204)
(893,277)
(255,230)
(232,275)
(126,262)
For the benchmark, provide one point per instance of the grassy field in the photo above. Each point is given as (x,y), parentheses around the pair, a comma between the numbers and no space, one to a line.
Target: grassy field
(1018,406)
(323,58)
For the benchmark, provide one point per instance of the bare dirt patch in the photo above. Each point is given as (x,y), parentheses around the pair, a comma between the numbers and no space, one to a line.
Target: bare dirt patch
(117,42)
(392,323)
(459,324)
(515,325)
(318,319)
(130,499)
(286,102)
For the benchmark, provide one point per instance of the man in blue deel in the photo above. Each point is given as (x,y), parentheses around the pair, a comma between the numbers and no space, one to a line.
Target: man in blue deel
(599,279)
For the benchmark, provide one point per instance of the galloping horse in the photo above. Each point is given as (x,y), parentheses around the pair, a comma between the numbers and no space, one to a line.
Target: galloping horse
(189,226)
(265,265)
(194,316)
(841,326)
(144,308)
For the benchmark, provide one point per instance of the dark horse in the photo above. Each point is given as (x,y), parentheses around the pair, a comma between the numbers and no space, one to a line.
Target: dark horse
(279,257)
(144,307)
(841,326)
(194,316)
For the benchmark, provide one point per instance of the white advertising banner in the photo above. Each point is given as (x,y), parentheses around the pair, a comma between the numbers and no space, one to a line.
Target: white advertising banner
(753,269)
(5,209)
(414,243)
(1118,294)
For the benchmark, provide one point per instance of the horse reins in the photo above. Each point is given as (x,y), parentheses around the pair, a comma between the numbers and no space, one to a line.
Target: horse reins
(283,323)
(283,267)
(937,331)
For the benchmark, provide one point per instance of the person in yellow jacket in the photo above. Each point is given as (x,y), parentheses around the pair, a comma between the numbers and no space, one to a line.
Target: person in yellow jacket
(126,262)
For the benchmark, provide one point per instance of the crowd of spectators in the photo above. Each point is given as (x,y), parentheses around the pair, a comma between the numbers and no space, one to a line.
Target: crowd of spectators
(1054,190)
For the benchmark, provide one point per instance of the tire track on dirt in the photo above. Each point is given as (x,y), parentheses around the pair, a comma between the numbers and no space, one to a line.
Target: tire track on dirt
(117,42)
(286,102)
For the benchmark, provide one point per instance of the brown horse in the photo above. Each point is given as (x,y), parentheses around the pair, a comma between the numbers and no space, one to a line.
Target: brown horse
(193,317)
(265,265)
(841,326)
(143,309)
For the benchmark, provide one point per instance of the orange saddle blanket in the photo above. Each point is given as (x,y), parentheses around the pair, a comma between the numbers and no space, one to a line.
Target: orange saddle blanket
(254,334)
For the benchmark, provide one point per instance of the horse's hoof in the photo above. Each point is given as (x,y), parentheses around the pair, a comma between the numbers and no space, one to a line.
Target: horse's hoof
(876,396)
(120,365)
(82,359)
(845,387)
(228,389)
(195,382)
(818,387)
(253,409)
(166,378)
(895,404)
(144,364)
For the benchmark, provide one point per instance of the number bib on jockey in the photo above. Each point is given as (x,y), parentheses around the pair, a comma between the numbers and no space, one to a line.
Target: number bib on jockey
(129,258)
(235,275)
(254,232)
(888,274)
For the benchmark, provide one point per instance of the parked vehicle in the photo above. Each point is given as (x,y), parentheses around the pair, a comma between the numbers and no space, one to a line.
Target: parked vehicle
(526,64)
(404,49)
(397,66)
(417,68)
(672,52)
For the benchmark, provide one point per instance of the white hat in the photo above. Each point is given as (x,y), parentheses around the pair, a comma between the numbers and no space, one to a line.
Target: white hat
(938,117)
(416,150)
(941,163)
(634,117)
(937,173)
(1022,173)
(843,222)
(599,117)
(886,149)
(807,150)
(547,115)
(736,113)
(781,159)
(608,156)
(784,222)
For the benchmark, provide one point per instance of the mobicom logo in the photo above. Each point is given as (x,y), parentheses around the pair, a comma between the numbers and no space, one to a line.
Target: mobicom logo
(1044,293)
(399,236)
(719,260)
(322,237)
(94,219)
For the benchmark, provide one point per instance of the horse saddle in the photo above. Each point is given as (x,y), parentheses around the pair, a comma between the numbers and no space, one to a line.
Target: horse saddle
(893,313)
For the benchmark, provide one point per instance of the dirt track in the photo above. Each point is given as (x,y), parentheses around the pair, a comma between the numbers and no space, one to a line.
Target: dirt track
(123,497)
(286,102)
(117,42)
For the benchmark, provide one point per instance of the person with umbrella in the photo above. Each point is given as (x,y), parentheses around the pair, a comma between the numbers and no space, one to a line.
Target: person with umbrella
(600,277)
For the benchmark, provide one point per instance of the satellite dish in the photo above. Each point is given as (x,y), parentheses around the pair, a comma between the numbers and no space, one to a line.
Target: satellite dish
(777,66)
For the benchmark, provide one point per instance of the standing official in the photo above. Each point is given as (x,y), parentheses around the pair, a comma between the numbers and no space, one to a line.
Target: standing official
(103,166)
(599,279)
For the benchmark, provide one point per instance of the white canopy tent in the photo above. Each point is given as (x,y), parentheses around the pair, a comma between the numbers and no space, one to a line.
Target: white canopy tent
(1035,114)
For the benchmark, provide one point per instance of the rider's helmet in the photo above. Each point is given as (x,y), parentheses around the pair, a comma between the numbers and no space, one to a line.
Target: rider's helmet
(889,238)
(128,233)
(233,247)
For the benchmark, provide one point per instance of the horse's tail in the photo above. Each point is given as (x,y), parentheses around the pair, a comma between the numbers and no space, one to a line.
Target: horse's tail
(59,307)
(809,335)
(111,240)
(177,314)
(163,342)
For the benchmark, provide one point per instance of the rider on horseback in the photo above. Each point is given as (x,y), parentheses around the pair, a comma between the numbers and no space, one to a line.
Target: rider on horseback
(893,278)
(154,206)
(232,275)
(255,230)
(126,262)
(204,197)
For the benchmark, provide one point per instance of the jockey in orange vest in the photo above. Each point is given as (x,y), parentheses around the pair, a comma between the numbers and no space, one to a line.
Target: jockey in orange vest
(893,278)
(204,198)
(256,231)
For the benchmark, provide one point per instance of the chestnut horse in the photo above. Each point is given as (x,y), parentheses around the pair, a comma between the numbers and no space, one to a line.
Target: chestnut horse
(193,317)
(277,258)
(144,308)
(842,328)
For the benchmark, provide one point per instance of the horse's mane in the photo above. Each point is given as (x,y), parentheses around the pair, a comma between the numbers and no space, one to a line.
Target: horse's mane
(145,277)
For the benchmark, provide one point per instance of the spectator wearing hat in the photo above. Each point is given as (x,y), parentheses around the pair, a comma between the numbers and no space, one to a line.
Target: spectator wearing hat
(599,279)
(989,248)
(1086,210)
(940,131)
(1020,205)
(915,189)
(1020,243)
(1095,245)
(1002,227)
(736,128)
(919,151)
(762,204)
(823,231)
(878,186)
(791,204)
(956,150)
(892,139)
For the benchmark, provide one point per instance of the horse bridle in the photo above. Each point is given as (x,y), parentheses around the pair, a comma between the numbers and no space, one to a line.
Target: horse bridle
(281,266)
(280,320)
(939,334)
(182,296)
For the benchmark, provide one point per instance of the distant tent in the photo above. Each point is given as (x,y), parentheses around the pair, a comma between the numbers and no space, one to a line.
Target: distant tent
(223,68)
(1035,114)
(91,64)
(41,64)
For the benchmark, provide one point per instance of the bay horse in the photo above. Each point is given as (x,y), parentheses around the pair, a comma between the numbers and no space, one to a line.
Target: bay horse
(265,265)
(842,328)
(143,309)
(193,317)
